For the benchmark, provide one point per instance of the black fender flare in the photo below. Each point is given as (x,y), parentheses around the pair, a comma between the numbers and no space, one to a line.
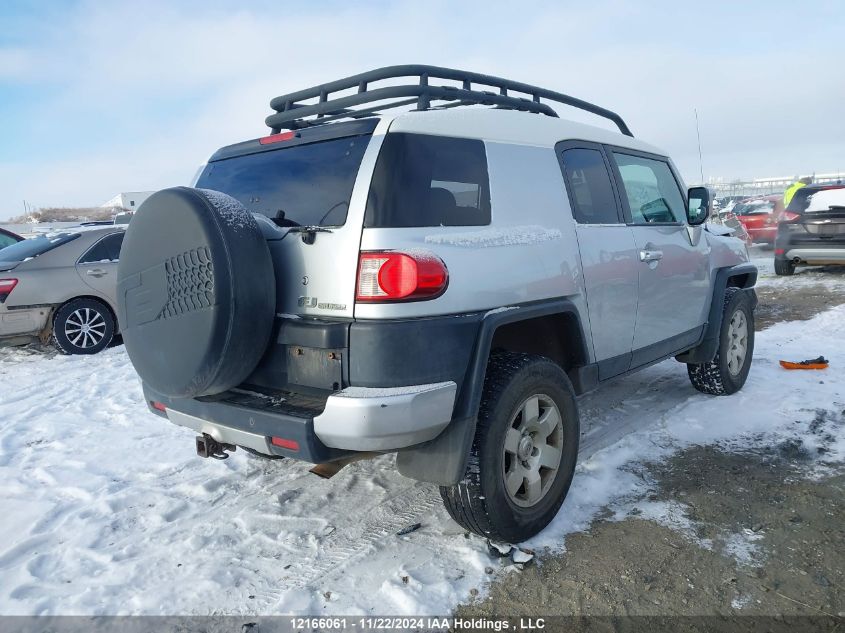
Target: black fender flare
(706,349)
(443,460)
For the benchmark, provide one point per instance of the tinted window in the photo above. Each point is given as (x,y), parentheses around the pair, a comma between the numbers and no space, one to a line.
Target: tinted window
(422,180)
(107,249)
(311,184)
(651,189)
(801,199)
(7,240)
(755,207)
(34,247)
(591,193)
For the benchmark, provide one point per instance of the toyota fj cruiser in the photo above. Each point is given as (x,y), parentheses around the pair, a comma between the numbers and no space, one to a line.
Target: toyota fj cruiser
(440,283)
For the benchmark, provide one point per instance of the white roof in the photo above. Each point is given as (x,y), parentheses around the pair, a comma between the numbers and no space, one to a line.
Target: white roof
(510,126)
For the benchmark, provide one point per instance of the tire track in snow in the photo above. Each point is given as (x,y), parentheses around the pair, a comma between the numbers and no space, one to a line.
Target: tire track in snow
(407,506)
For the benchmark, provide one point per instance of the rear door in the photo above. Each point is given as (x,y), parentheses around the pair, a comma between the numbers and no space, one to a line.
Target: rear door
(672,257)
(307,178)
(98,265)
(608,253)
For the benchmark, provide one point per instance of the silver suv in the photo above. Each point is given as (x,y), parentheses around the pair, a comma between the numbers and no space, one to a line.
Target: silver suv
(439,283)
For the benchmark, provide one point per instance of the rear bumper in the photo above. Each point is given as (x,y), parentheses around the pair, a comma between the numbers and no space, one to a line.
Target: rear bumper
(354,419)
(816,255)
(28,322)
(372,419)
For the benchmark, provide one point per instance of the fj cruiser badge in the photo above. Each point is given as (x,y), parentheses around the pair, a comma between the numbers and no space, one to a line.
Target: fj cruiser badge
(311,302)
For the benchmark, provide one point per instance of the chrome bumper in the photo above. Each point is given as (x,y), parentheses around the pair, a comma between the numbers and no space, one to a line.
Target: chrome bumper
(355,419)
(817,255)
(223,434)
(373,419)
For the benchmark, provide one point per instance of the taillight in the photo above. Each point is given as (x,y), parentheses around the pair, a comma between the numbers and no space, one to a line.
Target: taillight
(276,138)
(158,408)
(6,287)
(789,216)
(394,276)
(291,445)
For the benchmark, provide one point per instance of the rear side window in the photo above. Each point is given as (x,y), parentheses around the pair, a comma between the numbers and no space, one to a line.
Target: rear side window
(652,191)
(107,249)
(6,240)
(591,193)
(310,184)
(422,180)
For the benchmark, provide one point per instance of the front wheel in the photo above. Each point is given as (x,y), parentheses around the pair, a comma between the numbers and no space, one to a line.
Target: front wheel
(524,451)
(83,326)
(727,372)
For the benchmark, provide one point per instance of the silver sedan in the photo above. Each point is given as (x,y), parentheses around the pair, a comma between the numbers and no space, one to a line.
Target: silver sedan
(61,286)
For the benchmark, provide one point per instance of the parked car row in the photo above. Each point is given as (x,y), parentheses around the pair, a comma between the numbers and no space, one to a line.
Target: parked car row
(61,285)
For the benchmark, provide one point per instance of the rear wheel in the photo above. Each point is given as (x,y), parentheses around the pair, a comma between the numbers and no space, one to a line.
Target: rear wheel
(784,267)
(524,452)
(727,372)
(83,326)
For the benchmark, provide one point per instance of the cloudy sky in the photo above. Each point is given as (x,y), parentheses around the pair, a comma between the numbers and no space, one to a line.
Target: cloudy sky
(102,97)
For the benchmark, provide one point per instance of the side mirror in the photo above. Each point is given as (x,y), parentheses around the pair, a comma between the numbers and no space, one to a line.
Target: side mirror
(698,207)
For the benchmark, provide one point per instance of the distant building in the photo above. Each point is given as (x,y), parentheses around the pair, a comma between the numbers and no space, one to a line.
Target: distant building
(130,200)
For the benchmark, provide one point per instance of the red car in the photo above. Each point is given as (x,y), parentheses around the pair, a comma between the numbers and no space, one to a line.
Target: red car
(760,217)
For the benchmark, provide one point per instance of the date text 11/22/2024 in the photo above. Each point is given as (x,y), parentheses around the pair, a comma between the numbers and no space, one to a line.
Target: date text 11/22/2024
(403,623)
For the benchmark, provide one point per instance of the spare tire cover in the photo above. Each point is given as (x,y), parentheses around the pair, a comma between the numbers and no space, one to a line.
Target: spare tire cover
(196,292)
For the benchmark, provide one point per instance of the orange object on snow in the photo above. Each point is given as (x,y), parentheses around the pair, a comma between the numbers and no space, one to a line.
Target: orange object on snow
(815,363)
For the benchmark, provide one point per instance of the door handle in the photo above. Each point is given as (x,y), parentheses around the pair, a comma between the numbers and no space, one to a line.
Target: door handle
(95,272)
(651,256)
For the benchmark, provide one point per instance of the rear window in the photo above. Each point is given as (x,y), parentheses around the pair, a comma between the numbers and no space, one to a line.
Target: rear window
(826,200)
(422,180)
(35,246)
(310,184)
(756,207)
(802,199)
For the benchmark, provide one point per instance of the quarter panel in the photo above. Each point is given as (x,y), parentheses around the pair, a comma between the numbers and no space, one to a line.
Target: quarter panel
(528,253)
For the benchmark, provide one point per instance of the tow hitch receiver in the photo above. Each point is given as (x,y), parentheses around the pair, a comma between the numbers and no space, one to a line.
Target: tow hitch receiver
(207,446)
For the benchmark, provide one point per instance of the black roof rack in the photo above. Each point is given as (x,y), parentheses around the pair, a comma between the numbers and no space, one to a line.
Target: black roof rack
(292,115)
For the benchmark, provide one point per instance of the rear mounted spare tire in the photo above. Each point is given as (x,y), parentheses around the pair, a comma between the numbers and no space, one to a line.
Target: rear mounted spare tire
(196,292)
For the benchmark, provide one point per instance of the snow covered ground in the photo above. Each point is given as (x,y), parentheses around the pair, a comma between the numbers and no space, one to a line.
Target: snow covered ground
(106,509)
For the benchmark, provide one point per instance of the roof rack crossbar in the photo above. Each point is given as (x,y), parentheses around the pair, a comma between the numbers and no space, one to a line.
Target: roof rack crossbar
(290,114)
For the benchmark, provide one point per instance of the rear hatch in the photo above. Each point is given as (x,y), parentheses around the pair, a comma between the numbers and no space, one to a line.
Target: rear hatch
(822,219)
(311,183)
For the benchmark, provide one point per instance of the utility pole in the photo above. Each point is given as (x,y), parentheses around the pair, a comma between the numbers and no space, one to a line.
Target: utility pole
(698,134)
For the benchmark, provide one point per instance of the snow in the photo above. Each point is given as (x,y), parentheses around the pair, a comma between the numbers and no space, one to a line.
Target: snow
(107,510)
(827,198)
(505,236)
(230,210)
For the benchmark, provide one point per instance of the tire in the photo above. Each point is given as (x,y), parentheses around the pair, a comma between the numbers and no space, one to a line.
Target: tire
(784,267)
(726,373)
(196,292)
(83,326)
(481,502)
